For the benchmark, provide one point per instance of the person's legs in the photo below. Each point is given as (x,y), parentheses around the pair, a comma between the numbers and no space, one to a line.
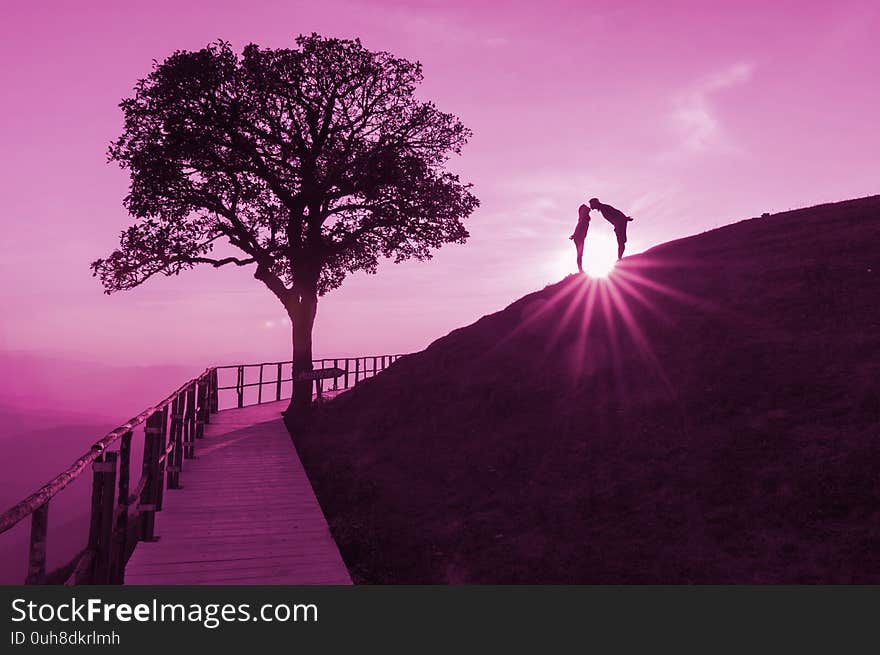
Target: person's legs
(621,241)
(579,245)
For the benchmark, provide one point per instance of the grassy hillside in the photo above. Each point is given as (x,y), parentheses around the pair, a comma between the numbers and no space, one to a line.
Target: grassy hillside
(709,414)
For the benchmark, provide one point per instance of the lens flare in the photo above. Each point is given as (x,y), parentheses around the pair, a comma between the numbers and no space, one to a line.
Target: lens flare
(600,256)
(605,313)
(598,262)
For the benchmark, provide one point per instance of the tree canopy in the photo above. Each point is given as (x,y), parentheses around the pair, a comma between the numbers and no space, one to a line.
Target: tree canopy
(315,162)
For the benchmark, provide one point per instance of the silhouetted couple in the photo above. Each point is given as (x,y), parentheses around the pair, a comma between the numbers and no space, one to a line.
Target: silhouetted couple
(611,214)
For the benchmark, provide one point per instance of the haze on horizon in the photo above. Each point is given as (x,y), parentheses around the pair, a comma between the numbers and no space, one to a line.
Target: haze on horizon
(686,116)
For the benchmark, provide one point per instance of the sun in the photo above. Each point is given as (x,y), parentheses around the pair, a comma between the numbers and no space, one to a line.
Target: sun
(600,256)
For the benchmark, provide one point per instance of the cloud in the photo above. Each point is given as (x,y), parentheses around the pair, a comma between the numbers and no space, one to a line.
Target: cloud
(496,41)
(538,199)
(444,27)
(694,116)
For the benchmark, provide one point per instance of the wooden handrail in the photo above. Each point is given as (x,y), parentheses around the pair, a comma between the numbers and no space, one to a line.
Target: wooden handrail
(188,409)
(287,361)
(240,384)
(24,508)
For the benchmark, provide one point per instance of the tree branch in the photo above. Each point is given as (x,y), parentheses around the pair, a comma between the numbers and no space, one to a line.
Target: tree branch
(217,263)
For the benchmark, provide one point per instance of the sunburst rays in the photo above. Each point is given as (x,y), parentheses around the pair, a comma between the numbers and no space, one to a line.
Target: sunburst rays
(587,323)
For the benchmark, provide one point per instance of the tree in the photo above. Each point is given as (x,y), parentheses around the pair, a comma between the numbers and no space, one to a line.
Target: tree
(312,162)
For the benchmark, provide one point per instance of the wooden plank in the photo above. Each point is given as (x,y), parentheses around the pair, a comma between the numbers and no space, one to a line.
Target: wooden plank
(316,577)
(247,515)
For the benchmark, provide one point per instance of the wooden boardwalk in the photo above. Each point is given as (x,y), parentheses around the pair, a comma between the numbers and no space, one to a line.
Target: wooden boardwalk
(246,515)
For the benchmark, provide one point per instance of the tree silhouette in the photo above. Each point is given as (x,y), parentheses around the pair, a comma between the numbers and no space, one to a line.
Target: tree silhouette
(313,162)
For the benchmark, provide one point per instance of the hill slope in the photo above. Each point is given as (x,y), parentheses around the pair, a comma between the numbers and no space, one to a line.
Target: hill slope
(709,414)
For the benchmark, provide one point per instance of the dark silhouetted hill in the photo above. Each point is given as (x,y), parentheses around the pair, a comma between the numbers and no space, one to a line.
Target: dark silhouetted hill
(708,415)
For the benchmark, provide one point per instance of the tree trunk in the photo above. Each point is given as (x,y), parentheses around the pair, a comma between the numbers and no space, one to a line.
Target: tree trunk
(301,310)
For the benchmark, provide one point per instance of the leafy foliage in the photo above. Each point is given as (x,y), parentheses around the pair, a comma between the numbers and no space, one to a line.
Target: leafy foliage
(315,162)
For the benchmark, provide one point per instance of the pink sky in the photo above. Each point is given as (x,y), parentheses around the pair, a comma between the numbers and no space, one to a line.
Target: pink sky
(685,115)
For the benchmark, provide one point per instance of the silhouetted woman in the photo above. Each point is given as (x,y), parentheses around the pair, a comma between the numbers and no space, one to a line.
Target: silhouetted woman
(580,234)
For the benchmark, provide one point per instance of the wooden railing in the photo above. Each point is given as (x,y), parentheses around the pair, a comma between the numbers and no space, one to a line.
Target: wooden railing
(120,516)
(355,369)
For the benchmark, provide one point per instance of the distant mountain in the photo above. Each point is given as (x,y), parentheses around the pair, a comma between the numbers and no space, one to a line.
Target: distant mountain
(709,414)
(82,388)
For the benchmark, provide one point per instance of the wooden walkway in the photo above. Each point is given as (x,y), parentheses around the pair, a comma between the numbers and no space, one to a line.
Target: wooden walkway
(246,515)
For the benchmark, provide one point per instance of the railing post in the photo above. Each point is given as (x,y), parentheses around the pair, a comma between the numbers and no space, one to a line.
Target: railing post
(336,380)
(94,514)
(215,396)
(201,410)
(120,533)
(206,382)
(278,383)
(260,387)
(346,372)
(240,386)
(149,495)
(163,444)
(210,395)
(190,423)
(104,488)
(37,551)
(176,455)
(357,369)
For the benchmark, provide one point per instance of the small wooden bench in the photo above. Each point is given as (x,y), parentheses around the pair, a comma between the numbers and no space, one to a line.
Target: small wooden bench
(319,375)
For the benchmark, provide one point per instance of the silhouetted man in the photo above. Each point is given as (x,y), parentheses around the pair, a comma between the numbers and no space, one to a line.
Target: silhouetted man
(580,234)
(617,218)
